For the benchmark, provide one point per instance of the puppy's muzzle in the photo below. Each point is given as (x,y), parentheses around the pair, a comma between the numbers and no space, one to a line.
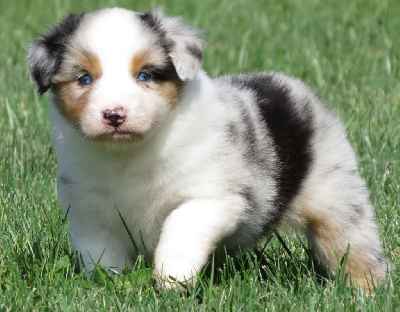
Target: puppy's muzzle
(114,117)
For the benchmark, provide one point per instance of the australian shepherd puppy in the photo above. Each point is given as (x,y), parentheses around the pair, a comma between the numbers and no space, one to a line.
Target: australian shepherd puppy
(157,158)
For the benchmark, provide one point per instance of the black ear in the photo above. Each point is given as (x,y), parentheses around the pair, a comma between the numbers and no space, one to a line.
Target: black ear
(45,55)
(185,45)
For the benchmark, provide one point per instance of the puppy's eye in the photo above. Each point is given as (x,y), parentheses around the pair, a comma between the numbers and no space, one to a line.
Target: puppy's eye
(143,76)
(85,79)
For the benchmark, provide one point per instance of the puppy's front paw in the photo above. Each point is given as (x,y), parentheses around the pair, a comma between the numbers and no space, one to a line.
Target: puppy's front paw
(176,275)
(170,282)
(189,236)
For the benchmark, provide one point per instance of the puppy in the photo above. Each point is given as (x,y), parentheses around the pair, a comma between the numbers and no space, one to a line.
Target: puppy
(157,158)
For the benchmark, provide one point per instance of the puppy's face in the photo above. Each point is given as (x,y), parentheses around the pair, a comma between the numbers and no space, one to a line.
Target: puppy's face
(115,74)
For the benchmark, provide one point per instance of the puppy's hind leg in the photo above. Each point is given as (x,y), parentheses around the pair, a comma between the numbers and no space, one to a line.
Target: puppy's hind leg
(338,217)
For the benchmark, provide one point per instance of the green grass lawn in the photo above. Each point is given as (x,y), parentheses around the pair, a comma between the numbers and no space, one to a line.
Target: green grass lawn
(348,51)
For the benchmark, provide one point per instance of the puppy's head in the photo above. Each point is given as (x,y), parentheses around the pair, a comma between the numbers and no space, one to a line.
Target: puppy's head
(116,74)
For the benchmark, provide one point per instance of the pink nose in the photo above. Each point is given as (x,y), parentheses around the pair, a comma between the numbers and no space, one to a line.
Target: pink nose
(115,117)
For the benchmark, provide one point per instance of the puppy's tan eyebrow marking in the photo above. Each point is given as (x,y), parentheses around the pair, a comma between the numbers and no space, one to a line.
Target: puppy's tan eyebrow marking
(90,62)
(139,60)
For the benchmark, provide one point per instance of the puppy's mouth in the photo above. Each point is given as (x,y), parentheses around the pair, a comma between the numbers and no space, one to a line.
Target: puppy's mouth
(119,135)
(115,127)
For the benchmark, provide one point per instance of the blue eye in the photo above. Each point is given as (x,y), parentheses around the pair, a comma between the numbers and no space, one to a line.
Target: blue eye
(85,79)
(143,76)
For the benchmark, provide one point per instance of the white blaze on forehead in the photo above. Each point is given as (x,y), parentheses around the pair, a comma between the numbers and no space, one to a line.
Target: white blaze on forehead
(114,35)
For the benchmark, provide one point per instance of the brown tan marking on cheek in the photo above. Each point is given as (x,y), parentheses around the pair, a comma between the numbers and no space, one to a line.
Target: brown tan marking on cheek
(171,90)
(69,96)
(71,99)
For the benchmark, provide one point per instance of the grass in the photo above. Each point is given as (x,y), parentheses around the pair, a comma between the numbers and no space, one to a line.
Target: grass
(348,51)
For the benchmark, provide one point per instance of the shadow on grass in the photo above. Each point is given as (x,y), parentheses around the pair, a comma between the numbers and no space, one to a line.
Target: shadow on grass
(267,263)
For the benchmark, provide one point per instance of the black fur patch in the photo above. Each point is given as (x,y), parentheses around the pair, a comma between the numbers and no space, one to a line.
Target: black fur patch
(154,23)
(167,72)
(160,74)
(291,133)
(45,65)
(195,51)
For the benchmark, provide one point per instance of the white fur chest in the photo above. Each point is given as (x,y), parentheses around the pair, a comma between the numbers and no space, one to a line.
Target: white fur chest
(98,183)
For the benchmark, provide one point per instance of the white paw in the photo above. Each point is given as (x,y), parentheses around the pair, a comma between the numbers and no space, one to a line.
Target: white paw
(175,271)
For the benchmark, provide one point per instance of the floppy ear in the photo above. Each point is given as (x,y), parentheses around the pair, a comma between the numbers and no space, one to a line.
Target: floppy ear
(184,45)
(42,65)
(45,55)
